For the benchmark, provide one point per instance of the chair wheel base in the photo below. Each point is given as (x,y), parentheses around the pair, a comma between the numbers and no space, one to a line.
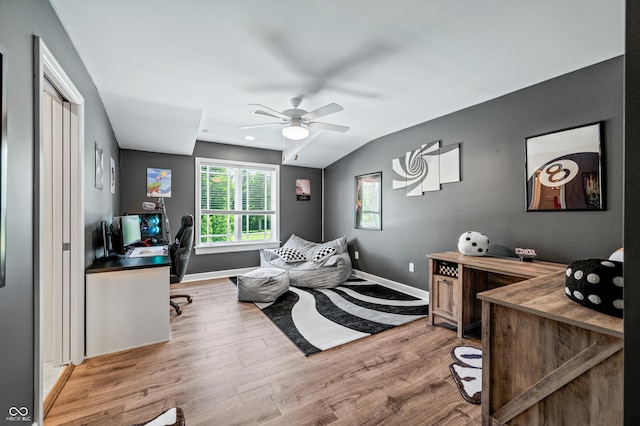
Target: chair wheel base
(176,307)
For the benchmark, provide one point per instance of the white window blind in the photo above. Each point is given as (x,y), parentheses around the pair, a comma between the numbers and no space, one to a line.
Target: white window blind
(237,203)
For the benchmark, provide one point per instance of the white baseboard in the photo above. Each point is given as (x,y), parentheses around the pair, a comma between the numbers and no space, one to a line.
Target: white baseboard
(412,291)
(216,274)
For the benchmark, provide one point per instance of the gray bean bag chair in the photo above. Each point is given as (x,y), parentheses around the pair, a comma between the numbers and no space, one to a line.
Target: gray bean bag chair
(262,285)
(312,265)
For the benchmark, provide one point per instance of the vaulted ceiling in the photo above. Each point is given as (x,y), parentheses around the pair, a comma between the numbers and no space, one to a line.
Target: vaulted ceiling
(173,72)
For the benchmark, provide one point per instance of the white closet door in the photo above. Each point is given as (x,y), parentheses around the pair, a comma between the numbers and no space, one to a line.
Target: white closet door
(47,237)
(57,170)
(66,232)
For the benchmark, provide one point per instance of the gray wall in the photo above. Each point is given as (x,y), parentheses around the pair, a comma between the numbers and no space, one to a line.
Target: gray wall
(300,217)
(19,22)
(490,198)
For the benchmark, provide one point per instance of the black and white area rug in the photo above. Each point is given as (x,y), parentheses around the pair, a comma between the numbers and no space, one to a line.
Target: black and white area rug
(319,319)
(467,372)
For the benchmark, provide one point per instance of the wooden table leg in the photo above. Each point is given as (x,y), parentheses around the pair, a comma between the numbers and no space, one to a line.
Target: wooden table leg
(459,299)
(579,364)
(486,363)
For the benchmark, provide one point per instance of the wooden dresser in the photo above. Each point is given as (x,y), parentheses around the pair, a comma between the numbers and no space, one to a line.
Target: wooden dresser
(547,360)
(455,280)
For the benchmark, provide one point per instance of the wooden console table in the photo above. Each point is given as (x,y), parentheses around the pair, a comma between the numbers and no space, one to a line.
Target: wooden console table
(546,360)
(455,280)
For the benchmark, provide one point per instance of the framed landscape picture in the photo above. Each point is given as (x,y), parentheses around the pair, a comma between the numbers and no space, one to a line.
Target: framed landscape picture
(564,169)
(368,197)
(158,182)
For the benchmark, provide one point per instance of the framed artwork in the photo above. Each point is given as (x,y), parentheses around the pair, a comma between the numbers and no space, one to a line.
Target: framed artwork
(158,182)
(564,169)
(368,197)
(99,166)
(303,189)
(3,164)
(112,174)
(426,168)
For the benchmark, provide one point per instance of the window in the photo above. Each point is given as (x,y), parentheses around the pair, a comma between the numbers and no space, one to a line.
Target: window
(236,206)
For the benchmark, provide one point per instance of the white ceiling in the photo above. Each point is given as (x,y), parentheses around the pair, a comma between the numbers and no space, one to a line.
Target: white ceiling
(170,72)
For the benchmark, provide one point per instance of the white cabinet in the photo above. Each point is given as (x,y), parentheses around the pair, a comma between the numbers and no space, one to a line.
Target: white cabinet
(126,308)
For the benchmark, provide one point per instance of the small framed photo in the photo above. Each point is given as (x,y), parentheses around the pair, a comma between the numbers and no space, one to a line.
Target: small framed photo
(99,166)
(303,189)
(112,174)
(564,169)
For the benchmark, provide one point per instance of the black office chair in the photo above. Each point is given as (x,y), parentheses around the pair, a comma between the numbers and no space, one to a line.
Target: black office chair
(180,251)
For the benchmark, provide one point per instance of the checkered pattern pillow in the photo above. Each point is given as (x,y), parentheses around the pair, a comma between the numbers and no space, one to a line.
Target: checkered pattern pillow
(323,252)
(289,255)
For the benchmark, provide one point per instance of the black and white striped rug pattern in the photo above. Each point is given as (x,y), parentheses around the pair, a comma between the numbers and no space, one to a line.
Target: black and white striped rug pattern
(467,372)
(319,319)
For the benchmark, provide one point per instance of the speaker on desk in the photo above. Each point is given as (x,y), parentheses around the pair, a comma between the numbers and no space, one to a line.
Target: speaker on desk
(105,244)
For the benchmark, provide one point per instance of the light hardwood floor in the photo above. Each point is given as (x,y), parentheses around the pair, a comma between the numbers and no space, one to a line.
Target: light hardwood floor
(227,364)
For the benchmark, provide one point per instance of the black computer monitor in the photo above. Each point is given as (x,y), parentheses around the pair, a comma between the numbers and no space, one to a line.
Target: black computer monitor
(105,241)
(125,231)
(130,226)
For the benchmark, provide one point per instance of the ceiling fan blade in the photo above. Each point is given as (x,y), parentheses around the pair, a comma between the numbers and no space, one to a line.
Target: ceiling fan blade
(281,45)
(251,126)
(322,111)
(324,78)
(359,57)
(263,110)
(327,126)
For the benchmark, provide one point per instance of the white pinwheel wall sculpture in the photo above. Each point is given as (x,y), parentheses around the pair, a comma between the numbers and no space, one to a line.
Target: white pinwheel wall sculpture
(426,168)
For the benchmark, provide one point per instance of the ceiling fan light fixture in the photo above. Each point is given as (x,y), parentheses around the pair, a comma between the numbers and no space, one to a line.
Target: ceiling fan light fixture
(295,132)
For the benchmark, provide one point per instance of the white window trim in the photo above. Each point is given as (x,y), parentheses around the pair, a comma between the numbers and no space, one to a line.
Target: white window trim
(232,247)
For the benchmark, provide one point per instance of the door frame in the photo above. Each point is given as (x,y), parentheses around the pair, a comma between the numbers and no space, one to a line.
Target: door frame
(46,65)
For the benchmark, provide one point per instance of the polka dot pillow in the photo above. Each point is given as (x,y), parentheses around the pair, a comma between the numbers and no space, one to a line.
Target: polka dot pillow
(289,255)
(596,284)
(473,243)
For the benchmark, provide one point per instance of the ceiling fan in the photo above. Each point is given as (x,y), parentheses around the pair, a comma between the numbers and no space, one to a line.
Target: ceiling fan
(298,121)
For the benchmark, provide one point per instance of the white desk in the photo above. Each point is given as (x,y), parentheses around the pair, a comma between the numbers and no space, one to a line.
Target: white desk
(127,304)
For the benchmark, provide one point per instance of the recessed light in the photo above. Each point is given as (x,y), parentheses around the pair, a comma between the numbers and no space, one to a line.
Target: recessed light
(250,138)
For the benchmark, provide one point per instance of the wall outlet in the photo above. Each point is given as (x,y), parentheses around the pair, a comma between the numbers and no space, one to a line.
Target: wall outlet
(410,266)
(356,255)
